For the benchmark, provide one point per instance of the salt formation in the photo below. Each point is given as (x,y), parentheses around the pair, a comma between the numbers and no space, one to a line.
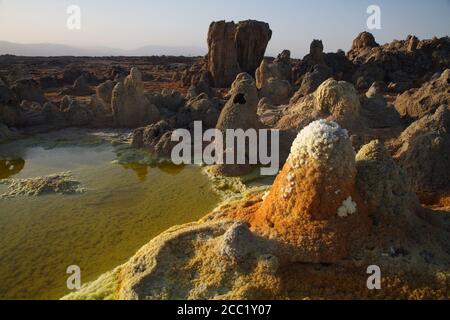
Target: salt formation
(155,139)
(75,112)
(318,66)
(198,261)
(376,109)
(348,208)
(199,108)
(60,183)
(336,101)
(401,64)
(313,209)
(394,208)
(280,68)
(130,106)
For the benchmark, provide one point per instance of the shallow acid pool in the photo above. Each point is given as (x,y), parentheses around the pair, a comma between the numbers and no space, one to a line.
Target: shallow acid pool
(124,206)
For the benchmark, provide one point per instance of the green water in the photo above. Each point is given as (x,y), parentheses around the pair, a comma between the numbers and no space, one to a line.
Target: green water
(123,208)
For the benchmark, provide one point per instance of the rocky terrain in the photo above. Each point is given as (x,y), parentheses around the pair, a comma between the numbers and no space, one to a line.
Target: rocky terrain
(365,144)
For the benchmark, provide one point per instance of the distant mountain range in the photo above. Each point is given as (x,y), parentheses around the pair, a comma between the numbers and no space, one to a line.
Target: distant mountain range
(50,49)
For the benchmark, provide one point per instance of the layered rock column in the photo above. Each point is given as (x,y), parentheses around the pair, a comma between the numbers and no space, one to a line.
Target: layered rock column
(252,38)
(235,48)
(222,55)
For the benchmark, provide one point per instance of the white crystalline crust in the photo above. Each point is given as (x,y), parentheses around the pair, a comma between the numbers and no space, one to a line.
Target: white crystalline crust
(316,141)
(290,184)
(348,207)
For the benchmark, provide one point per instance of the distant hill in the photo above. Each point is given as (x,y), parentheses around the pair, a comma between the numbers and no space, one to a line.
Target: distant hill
(50,49)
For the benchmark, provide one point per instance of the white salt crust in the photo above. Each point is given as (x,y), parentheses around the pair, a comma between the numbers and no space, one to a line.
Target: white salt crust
(349,207)
(315,142)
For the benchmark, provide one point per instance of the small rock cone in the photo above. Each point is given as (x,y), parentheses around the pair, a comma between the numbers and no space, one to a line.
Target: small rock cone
(313,210)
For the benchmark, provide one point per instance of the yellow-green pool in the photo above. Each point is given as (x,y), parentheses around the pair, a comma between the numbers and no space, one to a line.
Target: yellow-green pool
(124,206)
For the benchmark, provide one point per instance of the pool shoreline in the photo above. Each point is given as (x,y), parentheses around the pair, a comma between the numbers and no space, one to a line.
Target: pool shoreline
(125,205)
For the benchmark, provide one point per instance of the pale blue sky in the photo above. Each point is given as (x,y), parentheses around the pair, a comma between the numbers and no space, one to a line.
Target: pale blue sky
(135,23)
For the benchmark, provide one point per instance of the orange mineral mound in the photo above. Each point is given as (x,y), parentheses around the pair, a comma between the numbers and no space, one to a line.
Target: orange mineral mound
(313,211)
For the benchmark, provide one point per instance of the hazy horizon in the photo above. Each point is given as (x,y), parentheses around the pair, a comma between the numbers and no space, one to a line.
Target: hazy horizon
(178,23)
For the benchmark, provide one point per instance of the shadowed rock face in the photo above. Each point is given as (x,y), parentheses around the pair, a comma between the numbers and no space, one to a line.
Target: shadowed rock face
(155,138)
(316,51)
(422,151)
(362,41)
(417,103)
(274,79)
(252,38)
(277,91)
(235,48)
(5,133)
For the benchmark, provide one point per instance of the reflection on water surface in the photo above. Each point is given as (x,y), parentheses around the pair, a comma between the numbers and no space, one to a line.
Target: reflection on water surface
(124,207)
